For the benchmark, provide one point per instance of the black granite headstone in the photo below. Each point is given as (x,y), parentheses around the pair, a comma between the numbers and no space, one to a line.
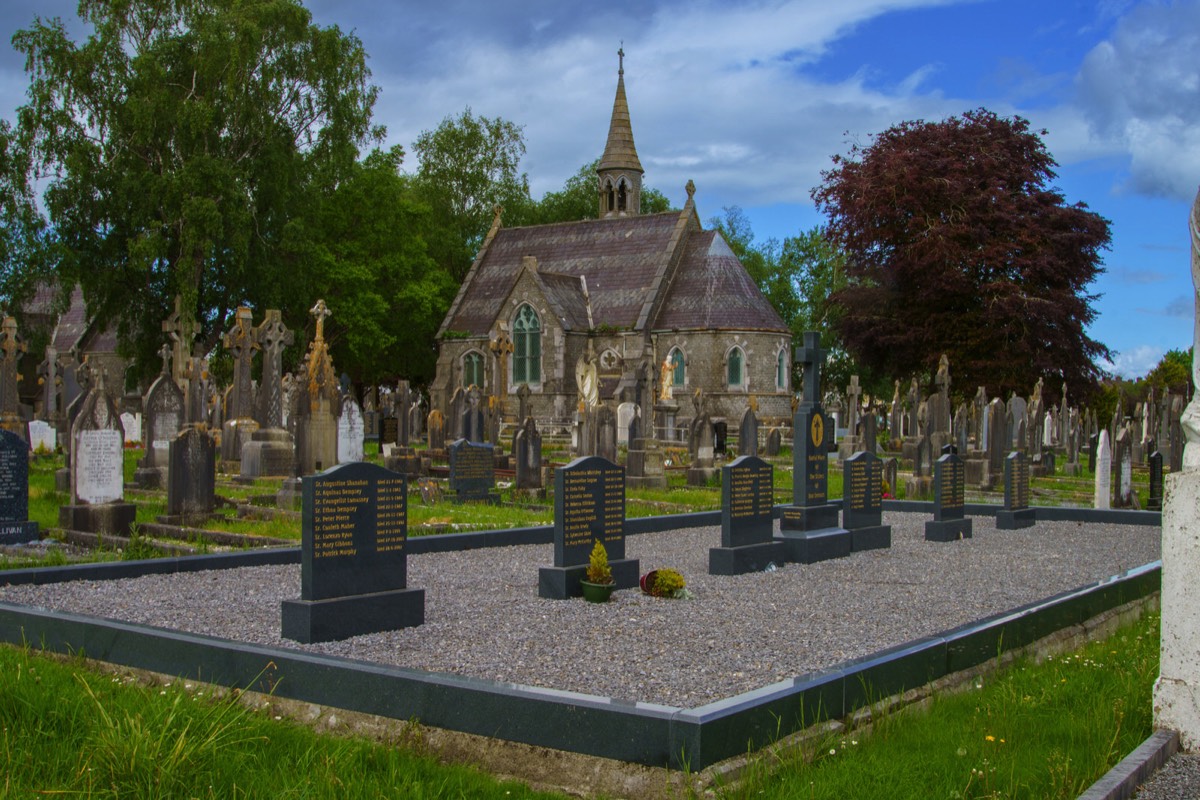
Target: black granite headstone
(15,526)
(1016,512)
(472,471)
(862,502)
(720,433)
(192,475)
(748,434)
(810,525)
(589,507)
(527,453)
(354,560)
(389,430)
(1155,500)
(949,521)
(747,522)
(1093,443)
(774,442)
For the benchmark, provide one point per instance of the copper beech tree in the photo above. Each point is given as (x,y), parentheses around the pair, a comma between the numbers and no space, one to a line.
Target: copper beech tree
(957,243)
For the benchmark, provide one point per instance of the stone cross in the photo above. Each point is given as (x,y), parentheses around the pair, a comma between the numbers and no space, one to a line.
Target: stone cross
(181,329)
(165,352)
(49,379)
(241,342)
(523,394)
(943,376)
(810,356)
(502,348)
(11,348)
(272,336)
(194,407)
(853,398)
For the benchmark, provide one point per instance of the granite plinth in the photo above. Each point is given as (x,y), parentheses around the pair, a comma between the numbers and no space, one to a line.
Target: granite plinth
(809,547)
(1012,520)
(871,537)
(947,530)
(336,618)
(560,583)
(809,518)
(270,453)
(62,480)
(18,532)
(115,518)
(701,476)
(745,558)
(150,477)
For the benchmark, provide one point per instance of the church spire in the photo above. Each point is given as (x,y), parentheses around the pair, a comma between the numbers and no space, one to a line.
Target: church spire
(619,171)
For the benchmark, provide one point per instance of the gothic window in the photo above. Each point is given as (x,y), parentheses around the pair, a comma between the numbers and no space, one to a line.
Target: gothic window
(472,369)
(612,202)
(527,347)
(735,372)
(621,195)
(677,368)
(781,371)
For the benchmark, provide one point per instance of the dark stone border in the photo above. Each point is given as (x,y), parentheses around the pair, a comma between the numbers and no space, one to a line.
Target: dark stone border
(642,733)
(1136,768)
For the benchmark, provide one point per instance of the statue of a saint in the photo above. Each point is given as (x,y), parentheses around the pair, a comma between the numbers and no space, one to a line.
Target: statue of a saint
(1190,419)
(587,380)
(666,381)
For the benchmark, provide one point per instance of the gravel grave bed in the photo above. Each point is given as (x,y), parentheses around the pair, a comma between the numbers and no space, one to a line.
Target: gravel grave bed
(483,617)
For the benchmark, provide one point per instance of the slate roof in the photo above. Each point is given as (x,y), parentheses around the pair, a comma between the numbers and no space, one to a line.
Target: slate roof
(619,151)
(621,258)
(713,291)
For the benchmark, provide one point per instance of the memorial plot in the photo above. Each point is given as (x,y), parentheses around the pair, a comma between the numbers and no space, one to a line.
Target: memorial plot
(1016,512)
(472,471)
(747,524)
(354,560)
(589,507)
(862,502)
(15,527)
(949,521)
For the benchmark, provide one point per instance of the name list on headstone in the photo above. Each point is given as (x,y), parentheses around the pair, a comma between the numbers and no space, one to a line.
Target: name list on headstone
(472,470)
(589,506)
(355,525)
(1016,481)
(747,499)
(15,526)
(99,466)
(949,521)
(863,482)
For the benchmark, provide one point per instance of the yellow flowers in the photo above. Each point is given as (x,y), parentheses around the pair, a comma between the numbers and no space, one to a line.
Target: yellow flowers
(990,738)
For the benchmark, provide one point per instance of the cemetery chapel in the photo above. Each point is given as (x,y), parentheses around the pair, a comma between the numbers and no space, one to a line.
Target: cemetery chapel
(631,301)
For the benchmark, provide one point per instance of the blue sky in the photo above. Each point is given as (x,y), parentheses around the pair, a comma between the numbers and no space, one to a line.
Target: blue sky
(751,99)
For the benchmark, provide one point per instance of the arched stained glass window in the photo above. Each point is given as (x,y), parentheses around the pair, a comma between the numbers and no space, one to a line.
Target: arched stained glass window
(527,347)
(735,371)
(781,371)
(678,370)
(473,370)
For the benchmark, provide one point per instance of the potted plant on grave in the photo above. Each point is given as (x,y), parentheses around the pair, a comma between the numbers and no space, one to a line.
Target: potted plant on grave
(664,583)
(599,585)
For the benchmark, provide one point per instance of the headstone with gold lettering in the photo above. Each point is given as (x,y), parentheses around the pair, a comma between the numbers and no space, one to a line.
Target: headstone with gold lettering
(472,472)
(589,507)
(747,522)
(809,526)
(15,526)
(862,502)
(1016,512)
(949,522)
(353,557)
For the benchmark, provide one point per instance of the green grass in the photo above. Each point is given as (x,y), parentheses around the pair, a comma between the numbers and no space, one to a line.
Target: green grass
(1044,730)
(67,729)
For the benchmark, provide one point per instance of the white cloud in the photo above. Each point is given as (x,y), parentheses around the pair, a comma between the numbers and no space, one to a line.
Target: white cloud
(1136,362)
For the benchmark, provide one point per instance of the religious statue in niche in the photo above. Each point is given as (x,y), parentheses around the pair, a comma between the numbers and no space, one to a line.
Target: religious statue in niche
(587,379)
(666,380)
(1190,419)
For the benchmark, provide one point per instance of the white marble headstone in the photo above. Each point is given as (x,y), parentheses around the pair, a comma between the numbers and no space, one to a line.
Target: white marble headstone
(350,433)
(1103,492)
(625,413)
(42,435)
(133,427)
(98,466)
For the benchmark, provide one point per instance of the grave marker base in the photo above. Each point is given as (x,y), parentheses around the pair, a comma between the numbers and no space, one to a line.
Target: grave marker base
(115,518)
(809,518)
(18,532)
(702,476)
(1012,520)
(810,547)
(872,537)
(309,621)
(150,477)
(560,583)
(950,530)
(745,558)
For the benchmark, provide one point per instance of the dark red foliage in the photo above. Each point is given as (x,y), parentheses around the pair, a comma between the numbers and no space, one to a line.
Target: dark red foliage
(957,244)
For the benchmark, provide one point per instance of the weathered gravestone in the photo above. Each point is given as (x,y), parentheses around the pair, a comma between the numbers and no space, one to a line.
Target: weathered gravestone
(43,438)
(163,419)
(626,413)
(949,521)
(527,453)
(191,479)
(11,349)
(606,434)
(774,442)
(473,427)
(700,439)
(589,507)
(1123,457)
(720,435)
(15,526)
(1155,500)
(809,527)
(354,557)
(472,472)
(1016,512)
(389,430)
(747,524)
(891,470)
(862,502)
(437,430)
(242,342)
(271,450)
(316,429)
(351,432)
(97,469)
(1102,494)
(645,463)
(1093,447)
(869,432)
(748,434)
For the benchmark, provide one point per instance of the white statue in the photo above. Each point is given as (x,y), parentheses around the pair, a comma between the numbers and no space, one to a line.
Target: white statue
(1190,419)
(587,379)
(666,380)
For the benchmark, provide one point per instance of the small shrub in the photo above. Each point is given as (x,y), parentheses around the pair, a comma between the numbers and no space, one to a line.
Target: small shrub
(598,570)
(668,583)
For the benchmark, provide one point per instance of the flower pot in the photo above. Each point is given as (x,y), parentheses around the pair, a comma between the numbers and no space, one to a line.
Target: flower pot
(647,582)
(597,592)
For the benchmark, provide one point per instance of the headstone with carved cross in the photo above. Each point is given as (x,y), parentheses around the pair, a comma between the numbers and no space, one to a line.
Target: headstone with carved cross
(180,327)
(97,472)
(502,348)
(51,383)
(851,443)
(316,431)
(161,421)
(270,451)
(11,348)
(810,526)
(242,342)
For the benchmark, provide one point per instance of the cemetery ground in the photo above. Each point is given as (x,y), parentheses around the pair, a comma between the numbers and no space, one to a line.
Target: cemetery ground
(1044,729)
(247,516)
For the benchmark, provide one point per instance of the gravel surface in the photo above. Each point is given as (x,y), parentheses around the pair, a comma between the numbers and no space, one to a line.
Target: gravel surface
(483,617)
(1179,779)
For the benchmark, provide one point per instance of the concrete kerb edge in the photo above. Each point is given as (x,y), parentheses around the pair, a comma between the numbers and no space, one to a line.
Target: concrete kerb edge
(1137,767)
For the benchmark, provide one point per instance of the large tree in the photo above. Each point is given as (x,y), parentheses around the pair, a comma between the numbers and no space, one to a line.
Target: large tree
(958,244)
(178,140)
(579,199)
